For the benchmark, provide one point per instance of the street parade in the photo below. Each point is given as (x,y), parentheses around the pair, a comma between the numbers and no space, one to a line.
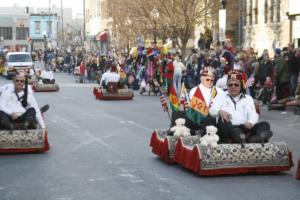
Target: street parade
(149,100)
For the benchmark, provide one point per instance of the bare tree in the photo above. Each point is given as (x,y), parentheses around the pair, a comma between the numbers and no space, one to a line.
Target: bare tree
(177,18)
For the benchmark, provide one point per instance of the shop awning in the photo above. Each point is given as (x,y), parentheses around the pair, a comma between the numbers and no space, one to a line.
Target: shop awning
(102,36)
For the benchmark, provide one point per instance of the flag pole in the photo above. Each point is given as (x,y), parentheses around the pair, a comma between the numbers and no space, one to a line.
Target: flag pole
(166,109)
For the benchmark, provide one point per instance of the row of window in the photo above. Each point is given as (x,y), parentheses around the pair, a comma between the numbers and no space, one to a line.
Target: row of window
(271,11)
(37,27)
(22,33)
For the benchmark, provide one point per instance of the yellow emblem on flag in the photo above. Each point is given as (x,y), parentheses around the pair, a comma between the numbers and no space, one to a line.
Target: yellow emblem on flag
(174,100)
(199,105)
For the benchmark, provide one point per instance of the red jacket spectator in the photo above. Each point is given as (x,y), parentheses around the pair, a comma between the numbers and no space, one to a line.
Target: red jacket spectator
(82,68)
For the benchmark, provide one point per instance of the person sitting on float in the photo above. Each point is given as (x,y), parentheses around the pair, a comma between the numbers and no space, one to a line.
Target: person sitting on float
(110,76)
(18,105)
(237,116)
(47,75)
(209,93)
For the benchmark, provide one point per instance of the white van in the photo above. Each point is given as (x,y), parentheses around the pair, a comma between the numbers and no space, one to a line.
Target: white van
(16,61)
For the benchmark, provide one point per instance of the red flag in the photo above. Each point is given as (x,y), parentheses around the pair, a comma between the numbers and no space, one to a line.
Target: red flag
(164,103)
(174,100)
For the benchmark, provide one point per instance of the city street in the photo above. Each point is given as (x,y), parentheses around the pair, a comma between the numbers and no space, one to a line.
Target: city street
(100,150)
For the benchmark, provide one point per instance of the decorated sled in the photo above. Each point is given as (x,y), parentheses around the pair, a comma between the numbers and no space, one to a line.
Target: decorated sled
(233,158)
(40,87)
(163,143)
(282,105)
(113,93)
(298,170)
(21,141)
(221,159)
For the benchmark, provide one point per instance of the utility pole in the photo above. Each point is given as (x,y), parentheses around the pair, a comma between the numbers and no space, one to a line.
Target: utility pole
(83,20)
(49,21)
(62,22)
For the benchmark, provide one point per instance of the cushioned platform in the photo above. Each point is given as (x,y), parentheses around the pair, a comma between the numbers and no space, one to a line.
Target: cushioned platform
(163,145)
(232,159)
(21,142)
(121,94)
(37,87)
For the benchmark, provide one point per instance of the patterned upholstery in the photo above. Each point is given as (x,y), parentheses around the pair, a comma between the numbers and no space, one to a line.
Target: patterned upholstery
(223,159)
(20,141)
(253,155)
(37,87)
(121,94)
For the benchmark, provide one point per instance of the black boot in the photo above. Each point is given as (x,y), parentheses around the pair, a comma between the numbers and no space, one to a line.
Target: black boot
(44,108)
(8,125)
(26,125)
(237,135)
(263,137)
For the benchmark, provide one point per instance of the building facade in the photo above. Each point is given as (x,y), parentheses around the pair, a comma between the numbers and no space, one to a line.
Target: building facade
(294,17)
(97,25)
(44,30)
(265,25)
(14,32)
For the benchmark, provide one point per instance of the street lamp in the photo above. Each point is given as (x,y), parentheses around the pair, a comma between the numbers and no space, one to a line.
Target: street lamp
(155,15)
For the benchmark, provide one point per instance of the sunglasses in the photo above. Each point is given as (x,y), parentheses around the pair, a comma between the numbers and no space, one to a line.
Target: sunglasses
(19,81)
(209,80)
(233,85)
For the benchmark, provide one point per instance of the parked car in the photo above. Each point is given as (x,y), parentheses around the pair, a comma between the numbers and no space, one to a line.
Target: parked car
(16,61)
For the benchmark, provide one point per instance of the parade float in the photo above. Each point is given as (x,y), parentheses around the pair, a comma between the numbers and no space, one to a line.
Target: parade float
(202,154)
(113,92)
(45,87)
(23,140)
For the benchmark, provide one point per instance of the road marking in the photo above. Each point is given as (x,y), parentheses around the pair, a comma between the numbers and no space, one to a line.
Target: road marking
(131,177)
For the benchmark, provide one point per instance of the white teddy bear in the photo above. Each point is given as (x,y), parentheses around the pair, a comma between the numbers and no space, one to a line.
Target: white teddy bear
(179,129)
(210,138)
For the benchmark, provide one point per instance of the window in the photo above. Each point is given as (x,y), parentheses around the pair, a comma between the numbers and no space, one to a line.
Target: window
(256,12)
(278,11)
(37,27)
(272,8)
(22,33)
(6,33)
(250,13)
(49,27)
(266,11)
(19,58)
(244,12)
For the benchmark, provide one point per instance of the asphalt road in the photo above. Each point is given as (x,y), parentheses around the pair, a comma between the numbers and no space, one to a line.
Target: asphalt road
(100,150)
